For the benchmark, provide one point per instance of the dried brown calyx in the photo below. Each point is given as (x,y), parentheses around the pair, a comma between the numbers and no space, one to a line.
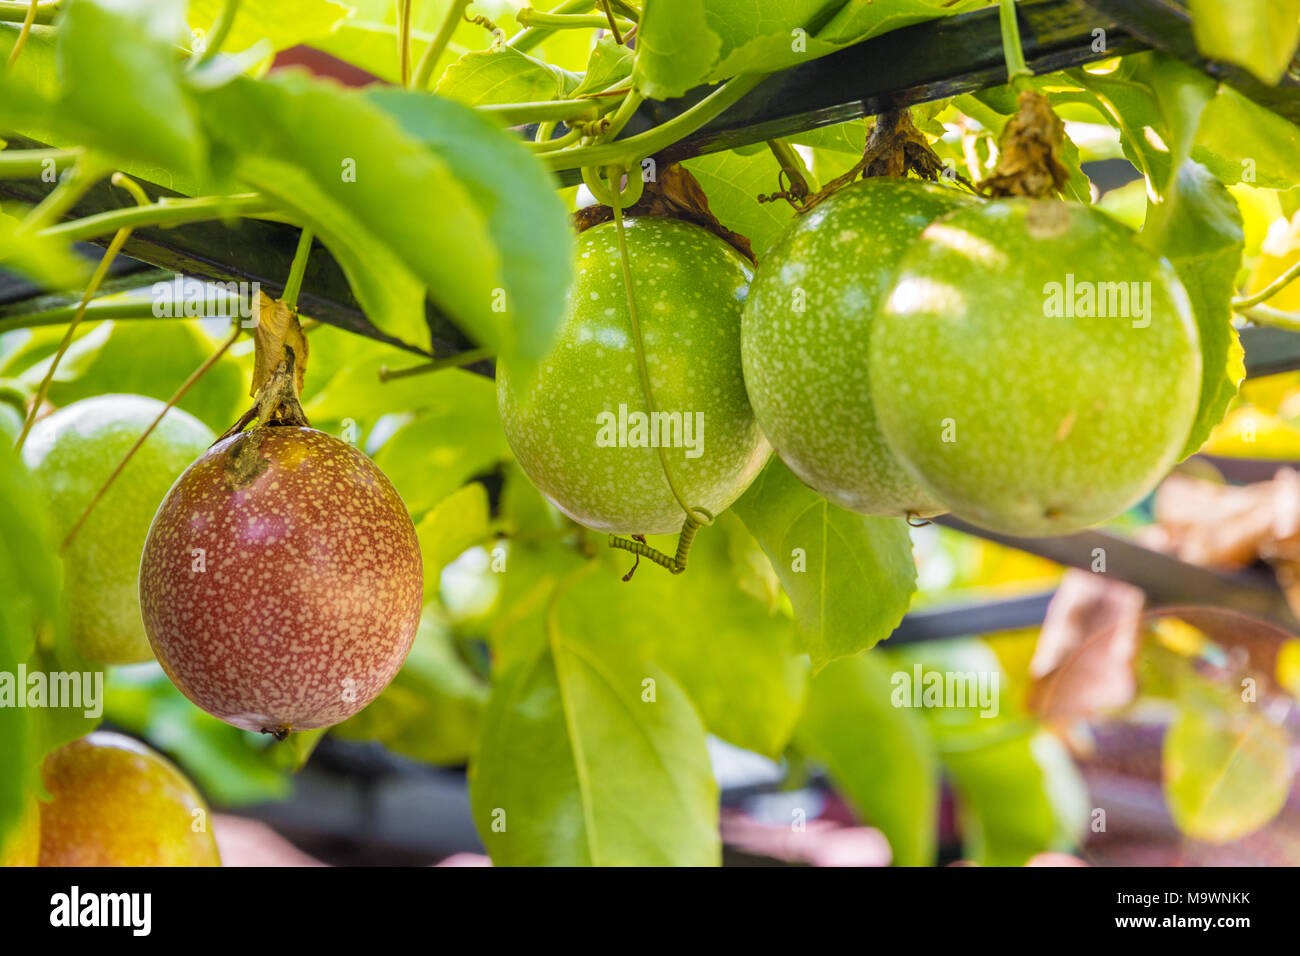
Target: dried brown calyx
(673,194)
(279,367)
(895,147)
(1029,152)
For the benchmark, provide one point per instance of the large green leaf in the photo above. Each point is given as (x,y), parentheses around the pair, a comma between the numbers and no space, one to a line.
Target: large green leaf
(733,184)
(881,757)
(504,75)
(352,156)
(1260,35)
(743,671)
(1225,774)
(1241,141)
(525,217)
(283,23)
(142,112)
(850,577)
(445,446)
(450,528)
(1018,791)
(589,756)
(683,43)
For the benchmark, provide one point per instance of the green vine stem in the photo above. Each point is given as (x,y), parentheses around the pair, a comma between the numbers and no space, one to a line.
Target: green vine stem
(71,187)
(1017,70)
(529,17)
(387,374)
(1273,318)
(217,36)
(165,212)
(630,151)
(528,38)
(297,269)
(1270,290)
(31,163)
(17,11)
(433,52)
(404,41)
(802,182)
(554,111)
(617,196)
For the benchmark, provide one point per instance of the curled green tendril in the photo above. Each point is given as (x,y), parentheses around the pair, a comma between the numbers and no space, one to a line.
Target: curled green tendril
(695,519)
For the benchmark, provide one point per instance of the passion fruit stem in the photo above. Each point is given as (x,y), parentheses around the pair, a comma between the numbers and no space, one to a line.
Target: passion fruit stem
(695,517)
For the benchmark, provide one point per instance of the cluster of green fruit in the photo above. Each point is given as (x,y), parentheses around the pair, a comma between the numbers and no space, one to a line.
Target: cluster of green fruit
(906,349)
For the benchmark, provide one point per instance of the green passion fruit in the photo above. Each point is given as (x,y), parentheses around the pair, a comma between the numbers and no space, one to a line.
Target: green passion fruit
(581,429)
(806,334)
(1035,368)
(72,453)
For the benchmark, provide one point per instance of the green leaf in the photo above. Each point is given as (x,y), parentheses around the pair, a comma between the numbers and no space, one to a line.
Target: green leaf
(1203,238)
(362,162)
(1260,35)
(881,757)
(683,43)
(284,23)
(591,757)
(1241,141)
(745,676)
(483,77)
(1226,775)
(674,49)
(609,63)
(733,184)
(142,113)
(1019,794)
(432,709)
(525,217)
(850,577)
(450,528)
(444,447)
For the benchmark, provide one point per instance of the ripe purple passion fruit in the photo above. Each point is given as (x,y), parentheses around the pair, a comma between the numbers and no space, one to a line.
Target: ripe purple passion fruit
(1035,368)
(581,430)
(281,581)
(805,340)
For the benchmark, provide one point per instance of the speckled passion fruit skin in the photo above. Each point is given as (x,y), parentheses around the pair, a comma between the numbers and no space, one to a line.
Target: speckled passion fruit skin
(310,586)
(1021,421)
(690,287)
(118,803)
(806,333)
(71,453)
